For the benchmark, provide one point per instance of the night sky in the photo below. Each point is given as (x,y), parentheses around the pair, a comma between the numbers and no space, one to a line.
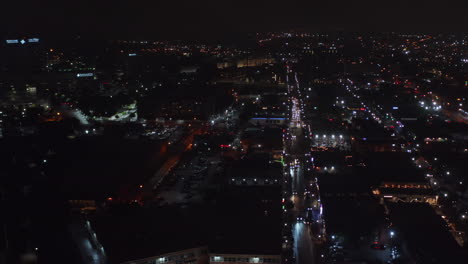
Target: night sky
(155,19)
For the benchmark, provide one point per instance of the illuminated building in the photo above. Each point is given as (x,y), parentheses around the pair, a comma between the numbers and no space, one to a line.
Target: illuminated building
(406,192)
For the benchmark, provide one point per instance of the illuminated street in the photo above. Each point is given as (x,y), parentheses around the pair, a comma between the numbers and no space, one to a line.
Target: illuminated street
(296,146)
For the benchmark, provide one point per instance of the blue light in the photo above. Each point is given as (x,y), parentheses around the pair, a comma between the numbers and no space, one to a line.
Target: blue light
(264,118)
(89,74)
(33,40)
(11,41)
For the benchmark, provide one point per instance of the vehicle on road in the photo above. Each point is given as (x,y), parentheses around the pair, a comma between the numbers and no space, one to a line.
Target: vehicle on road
(378,246)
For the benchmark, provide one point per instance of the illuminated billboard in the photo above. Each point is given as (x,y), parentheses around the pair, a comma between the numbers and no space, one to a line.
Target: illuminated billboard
(88,74)
(22,41)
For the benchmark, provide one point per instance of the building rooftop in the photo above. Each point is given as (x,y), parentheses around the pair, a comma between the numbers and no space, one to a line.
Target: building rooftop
(101,167)
(352,217)
(258,165)
(426,233)
(135,233)
(391,166)
(248,221)
(241,221)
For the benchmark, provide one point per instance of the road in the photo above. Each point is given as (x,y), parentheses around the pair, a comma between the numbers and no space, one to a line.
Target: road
(303,243)
(89,248)
(296,149)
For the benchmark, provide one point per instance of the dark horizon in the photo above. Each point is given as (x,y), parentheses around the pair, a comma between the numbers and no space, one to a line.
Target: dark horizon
(210,20)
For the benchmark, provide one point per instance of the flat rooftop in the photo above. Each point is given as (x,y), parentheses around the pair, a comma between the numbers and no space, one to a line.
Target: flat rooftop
(247,221)
(359,180)
(391,166)
(135,233)
(267,137)
(259,165)
(101,167)
(426,234)
(241,220)
(352,217)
